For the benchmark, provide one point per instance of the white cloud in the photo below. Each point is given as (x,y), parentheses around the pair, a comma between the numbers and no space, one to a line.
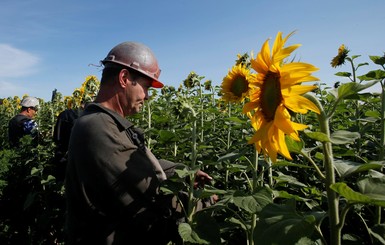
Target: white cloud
(8,89)
(16,62)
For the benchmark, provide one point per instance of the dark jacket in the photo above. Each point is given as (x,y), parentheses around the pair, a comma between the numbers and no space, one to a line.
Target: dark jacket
(19,126)
(112,184)
(62,131)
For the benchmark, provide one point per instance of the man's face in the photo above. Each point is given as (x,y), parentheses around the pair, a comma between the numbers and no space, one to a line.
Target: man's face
(31,111)
(136,92)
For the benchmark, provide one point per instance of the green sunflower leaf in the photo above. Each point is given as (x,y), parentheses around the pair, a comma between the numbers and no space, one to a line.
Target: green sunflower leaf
(373,75)
(294,146)
(284,163)
(346,168)
(352,88)
(319,136)
(379,60)
(282,224)
(239,223)
(252,203)
(167,136)
(286,195)
(362,64)
(374,114)
(202,230)
(342,137)
(189,235)
(355,197)
(236,120)
(373,187)
(343,74)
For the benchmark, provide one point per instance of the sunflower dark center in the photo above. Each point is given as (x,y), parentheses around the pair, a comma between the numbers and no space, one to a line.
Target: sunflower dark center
(271,95)
(239,86)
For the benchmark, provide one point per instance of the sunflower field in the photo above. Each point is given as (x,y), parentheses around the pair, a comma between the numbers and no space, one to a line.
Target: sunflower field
(293,161)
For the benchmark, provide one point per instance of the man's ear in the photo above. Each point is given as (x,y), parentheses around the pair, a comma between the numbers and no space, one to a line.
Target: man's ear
(124,78)
(29,111)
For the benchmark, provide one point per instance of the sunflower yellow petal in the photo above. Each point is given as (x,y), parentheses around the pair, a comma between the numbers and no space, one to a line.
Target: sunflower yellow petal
(300,104)
(283,150)
(281,55)
(278,43)
(297,90)
(299,66)
(249,106)
(282,122)
(299,126)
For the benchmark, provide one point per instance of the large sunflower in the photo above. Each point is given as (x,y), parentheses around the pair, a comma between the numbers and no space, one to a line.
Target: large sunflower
(235,86)
(276,90)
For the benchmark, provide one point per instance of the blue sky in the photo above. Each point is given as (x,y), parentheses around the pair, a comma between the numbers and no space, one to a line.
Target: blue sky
(48,44)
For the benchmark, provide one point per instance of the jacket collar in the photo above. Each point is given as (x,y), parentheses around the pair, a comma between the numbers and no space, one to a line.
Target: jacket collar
(121,121)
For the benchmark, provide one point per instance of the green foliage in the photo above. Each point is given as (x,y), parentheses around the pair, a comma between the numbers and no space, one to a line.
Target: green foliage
(285,202)
(282,224)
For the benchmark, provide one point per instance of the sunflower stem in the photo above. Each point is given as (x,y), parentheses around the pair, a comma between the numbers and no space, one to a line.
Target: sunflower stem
(255,172)
(191,204)
(382,140)
(381,153)
(228,147)
(357,107)
(255,186)
(319,172)
(201,112)
(149,123)
(333,201)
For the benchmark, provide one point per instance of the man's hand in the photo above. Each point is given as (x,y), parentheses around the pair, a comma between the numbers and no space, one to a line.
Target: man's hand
(201,178)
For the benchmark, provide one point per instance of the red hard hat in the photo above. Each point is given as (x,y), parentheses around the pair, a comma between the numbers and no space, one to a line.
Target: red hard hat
(136,56)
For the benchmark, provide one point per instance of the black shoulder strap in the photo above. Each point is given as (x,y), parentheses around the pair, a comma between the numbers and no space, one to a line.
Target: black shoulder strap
(137,138)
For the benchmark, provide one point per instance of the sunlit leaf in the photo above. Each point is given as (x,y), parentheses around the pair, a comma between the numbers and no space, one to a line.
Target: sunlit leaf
(348,89)
(252,203)
(282,224)
(282,178)
(373,75)
(377,174)
(373,187)
(379,60)
(319,136)
(284,163)
(286,195)
(50,178)
(346,168)
(293,145)
(355,197)
(375,114)
(362,64)
(342,137)
(35,171)
(343,74)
